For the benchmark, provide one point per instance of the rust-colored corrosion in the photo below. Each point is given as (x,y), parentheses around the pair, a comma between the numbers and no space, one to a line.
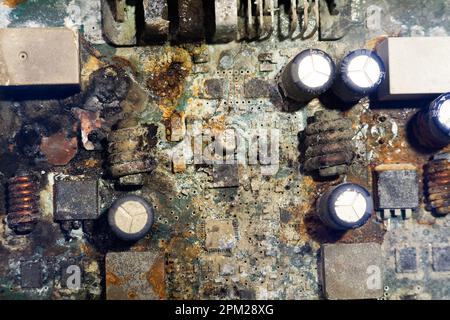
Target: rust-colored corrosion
(438,185)
(13,3)
(156,278)
(167,78)
(112,279)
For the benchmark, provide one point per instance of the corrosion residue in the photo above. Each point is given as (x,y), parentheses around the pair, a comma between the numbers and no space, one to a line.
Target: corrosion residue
(167,78)
(13,3)
(112,279)
(156,278)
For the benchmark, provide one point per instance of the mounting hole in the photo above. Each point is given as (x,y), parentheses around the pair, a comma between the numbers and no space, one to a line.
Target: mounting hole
(23,55)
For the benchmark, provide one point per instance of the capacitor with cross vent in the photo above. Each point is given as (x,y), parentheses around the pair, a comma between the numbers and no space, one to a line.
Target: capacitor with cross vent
(432,128)
(308,75)
(359,74)
(130,217)
(346,206)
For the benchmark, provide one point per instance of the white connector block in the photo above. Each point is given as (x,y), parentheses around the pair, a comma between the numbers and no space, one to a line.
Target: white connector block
(416,67)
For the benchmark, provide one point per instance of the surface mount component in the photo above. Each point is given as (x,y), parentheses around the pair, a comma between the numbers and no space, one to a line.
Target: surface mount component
(416,67)
(308,75)
(397,190)
(433,124)
(39,56)
(130,217)
(352,271)
(359,74)
(346,206)
(135,276)
(76,200)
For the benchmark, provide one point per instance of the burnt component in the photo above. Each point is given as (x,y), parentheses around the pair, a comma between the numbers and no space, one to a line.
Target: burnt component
(308,75)
(108,87)
(131,217)
(437,179)
(397,188)
(156,21)
(28,140)
(23,204)
(346,206)
(257,88)
(51,137)
(329,146)
(191,25)
(75,200)
(432,128)
(129,151)
(360,74)
(31,274)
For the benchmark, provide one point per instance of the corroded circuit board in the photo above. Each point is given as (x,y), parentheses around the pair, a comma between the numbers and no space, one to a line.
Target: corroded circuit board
(221,231)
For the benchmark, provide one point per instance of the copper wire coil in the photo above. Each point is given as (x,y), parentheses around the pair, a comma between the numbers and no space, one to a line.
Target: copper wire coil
(438,185)
(23,209)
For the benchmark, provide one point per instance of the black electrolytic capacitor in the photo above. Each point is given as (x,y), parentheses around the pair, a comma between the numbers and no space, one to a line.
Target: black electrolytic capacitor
(308,75)
(432,128)
(346,206)
(359,74)
(130,217)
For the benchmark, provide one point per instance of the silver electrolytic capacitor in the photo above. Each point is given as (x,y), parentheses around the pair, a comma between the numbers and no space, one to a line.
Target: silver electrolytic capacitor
(432,128)
(308,75)
(359,74)
(346,206)
(130,217)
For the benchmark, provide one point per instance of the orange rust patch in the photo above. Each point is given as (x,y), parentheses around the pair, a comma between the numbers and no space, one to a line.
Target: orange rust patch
(167,78)
(156,278)
(91,163)
(131,295)
(112,279)
(13,3)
